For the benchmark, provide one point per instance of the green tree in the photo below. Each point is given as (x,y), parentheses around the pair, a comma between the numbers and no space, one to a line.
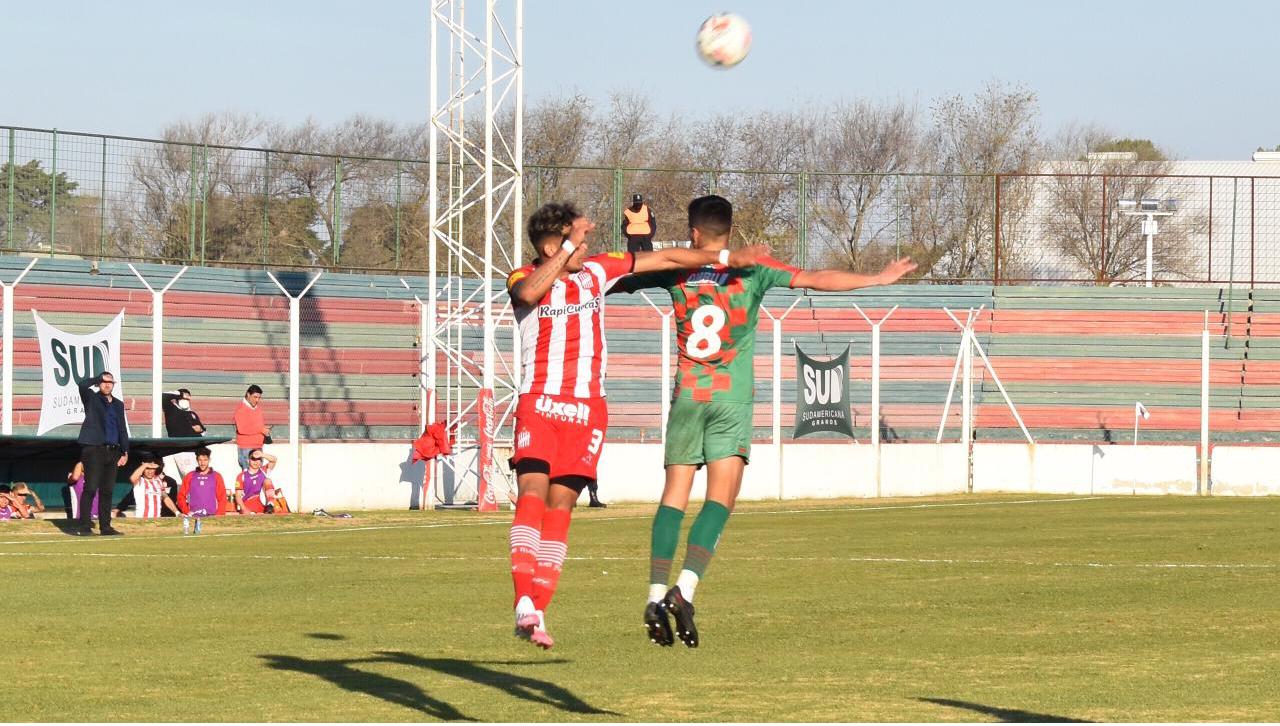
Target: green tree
(33,204)
(1143,149)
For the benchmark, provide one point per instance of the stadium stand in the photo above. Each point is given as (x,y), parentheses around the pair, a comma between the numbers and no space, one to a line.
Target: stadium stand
(1074,359)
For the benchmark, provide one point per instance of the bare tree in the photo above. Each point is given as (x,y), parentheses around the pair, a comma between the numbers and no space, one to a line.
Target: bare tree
(858,148)
(953,212)
(189,184)
(1081,220)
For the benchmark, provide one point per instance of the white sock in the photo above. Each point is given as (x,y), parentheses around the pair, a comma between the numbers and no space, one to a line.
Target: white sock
(657,592)
(687,582)
(524,606)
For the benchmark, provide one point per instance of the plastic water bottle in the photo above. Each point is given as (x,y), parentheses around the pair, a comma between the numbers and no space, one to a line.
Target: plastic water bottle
(197,525)
(186,524)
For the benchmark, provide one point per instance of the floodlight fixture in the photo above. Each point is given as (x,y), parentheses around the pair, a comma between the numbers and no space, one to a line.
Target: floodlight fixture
(1149,209)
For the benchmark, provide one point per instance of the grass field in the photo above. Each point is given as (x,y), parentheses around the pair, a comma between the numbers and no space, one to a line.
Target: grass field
(967,608)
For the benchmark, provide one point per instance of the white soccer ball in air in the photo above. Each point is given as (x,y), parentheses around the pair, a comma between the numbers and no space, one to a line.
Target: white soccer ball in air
(724,40)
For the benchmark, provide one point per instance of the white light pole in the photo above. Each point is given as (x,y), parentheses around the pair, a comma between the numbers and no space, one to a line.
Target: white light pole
(1150,209)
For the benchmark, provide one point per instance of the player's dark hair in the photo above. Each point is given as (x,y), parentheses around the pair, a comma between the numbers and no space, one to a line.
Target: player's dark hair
(255,388)
(184,390)
(203,451)
(551,219)
(711,215)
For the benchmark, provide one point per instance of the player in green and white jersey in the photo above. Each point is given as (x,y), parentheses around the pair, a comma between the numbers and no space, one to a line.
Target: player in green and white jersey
(716,310)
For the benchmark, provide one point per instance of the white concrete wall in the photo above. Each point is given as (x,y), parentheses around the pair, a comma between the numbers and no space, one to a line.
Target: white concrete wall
(1084,469)
(1245,471)
(379,476)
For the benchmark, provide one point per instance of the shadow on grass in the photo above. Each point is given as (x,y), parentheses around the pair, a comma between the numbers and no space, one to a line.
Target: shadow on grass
(1005,715)
(343,673)
(339,672)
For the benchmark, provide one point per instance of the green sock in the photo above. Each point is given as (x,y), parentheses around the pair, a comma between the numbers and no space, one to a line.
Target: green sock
(662,545)
(704,535)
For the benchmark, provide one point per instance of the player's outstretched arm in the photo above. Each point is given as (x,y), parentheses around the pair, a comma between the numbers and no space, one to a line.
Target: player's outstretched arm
(841,280)
(678,258)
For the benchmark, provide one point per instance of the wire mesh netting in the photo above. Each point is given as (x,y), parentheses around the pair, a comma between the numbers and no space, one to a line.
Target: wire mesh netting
(107,197)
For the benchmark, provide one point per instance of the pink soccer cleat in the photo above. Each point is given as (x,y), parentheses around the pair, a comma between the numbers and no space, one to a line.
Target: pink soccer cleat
(525,625)
(540,637)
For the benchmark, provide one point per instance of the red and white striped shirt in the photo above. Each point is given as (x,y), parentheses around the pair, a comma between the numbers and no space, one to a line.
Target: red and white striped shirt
(562,343)
(148,497)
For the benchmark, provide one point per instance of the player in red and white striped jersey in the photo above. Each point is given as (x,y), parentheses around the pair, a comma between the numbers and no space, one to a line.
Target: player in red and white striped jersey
(149,491)
(561,416)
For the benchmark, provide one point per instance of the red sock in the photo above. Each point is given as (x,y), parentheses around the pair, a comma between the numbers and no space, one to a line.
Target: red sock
(551,553)
(525,541)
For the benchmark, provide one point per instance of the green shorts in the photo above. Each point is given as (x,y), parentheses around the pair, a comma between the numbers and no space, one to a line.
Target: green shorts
(699,432)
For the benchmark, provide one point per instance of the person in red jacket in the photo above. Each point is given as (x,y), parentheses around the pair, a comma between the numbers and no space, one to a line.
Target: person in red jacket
(252,430)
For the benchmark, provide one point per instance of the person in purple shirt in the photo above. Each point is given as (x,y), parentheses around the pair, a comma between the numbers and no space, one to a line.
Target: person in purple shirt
(203,493)
(75,486)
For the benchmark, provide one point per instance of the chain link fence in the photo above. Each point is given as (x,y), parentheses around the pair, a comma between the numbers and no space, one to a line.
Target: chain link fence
(105,197)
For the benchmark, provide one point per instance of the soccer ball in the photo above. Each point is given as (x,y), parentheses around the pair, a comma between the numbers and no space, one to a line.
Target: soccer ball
(724,40)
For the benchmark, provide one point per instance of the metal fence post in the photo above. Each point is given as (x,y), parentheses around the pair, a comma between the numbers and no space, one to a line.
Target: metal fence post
(266,206)
(1253,229)
(897,216)
(6,416)
(337,210)
(157,348)
(102,203)
(398,173)
(204,199)
(1102,255)
(802,221)
(191,207)
(295,356)
(53,193)
(9,224)
(995,271)
(617,208)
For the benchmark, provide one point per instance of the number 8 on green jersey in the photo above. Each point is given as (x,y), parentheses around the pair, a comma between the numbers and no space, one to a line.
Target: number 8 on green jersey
(716,311)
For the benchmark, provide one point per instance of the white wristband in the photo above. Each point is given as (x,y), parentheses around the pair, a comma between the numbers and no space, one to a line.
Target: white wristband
(568,246)
(724,257)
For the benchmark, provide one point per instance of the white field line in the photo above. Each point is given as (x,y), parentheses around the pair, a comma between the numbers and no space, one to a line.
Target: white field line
(507,521)
(863,560)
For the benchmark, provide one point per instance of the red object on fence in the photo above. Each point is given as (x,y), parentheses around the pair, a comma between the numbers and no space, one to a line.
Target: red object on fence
(434,441)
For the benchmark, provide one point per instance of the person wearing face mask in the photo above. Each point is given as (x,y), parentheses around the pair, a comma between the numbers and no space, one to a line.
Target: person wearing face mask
(181,421)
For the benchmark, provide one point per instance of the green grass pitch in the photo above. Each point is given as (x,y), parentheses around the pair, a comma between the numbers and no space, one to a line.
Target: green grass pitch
(964,608)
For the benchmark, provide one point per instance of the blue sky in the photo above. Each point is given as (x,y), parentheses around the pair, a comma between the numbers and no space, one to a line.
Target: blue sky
(1196,77)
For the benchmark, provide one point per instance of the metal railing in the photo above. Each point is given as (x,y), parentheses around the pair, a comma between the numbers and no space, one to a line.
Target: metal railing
(112,197)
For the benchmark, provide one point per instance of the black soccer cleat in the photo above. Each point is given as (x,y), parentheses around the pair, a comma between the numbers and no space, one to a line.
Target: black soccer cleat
(676,606)
(655,621)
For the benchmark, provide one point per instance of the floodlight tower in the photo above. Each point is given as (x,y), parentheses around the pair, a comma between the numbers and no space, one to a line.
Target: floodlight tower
(480,57)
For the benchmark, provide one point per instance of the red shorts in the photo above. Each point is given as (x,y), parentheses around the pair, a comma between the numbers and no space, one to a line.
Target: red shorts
(567,433)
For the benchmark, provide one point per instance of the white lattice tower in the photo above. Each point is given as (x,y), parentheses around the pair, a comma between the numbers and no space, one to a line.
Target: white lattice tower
(480,57)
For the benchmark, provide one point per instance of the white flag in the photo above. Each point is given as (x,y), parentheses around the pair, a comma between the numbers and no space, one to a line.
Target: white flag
(1140,410)
(66,359)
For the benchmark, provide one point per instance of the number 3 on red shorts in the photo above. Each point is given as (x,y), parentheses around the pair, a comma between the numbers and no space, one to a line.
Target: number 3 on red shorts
(597,438)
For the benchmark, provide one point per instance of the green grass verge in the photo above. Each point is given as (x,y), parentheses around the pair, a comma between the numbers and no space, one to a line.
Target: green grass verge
(967,608)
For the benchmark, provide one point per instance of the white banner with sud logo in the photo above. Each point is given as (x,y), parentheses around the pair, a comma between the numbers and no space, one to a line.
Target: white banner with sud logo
(66,359)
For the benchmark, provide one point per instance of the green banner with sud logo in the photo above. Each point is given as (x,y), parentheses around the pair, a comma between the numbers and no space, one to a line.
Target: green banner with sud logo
(822,395)
(66,359)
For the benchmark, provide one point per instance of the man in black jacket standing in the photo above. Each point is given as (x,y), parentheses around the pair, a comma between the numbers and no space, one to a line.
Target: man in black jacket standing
(104,448)
(180,420)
